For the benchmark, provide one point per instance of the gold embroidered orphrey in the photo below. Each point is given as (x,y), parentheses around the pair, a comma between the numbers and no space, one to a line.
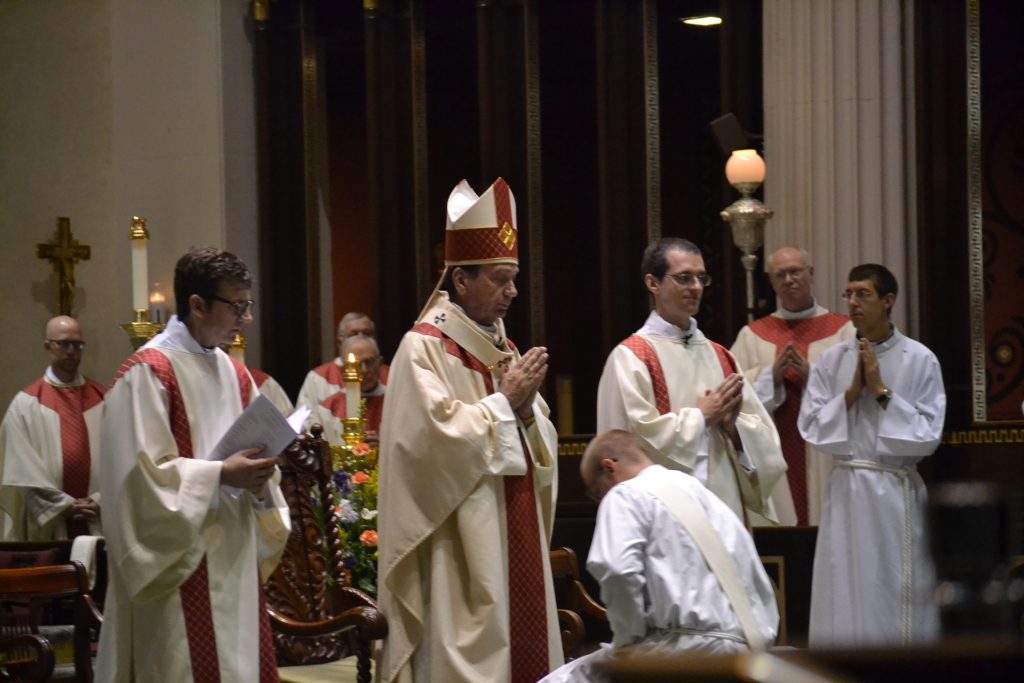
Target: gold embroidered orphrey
(64,251)
(507,236)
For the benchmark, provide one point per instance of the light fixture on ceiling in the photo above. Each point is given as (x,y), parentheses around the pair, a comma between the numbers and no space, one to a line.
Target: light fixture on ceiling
(704,20)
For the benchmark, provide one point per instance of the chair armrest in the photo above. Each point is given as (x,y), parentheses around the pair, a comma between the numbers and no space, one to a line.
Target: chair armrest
(573,631)
(39,669)
(581,601)
(369,621)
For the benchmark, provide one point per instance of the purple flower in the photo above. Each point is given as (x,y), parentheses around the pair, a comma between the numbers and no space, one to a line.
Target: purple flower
(343,481)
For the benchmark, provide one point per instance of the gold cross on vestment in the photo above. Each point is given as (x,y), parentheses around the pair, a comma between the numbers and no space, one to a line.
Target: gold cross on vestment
(63,251)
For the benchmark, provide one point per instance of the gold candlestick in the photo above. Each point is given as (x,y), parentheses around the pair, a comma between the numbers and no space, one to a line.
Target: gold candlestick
(140,330)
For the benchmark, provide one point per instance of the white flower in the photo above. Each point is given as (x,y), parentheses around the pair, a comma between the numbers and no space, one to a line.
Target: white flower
(367,513)
(346,513)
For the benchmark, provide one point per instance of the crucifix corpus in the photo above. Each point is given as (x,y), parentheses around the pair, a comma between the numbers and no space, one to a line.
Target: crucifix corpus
(63,251)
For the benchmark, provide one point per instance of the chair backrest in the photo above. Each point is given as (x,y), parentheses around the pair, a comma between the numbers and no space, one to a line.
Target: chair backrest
(28,589)
(312,583)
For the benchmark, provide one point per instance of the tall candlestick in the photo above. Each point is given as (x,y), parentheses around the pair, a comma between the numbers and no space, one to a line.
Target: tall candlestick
(237,349)
(353,378)
(140,276)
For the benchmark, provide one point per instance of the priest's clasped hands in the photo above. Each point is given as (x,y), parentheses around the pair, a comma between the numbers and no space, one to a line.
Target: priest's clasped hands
(247,469)
(788,358)
(520,383)
(722,406)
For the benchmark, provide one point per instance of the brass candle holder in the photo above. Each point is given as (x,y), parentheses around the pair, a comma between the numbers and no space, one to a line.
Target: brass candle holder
(140,330)
(355,454)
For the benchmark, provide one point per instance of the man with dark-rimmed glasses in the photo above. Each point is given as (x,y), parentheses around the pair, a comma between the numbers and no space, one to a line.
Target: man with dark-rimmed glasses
(684,395)
(49,444)
(191,538)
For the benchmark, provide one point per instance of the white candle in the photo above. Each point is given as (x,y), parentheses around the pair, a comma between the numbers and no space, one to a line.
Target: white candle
(140,276)
(156,307)
(352,395)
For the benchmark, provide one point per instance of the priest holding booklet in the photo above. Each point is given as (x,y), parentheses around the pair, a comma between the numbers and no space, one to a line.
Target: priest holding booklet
(188,558)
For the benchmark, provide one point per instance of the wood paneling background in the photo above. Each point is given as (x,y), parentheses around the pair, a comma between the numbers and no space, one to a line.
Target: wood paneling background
(596,113)
(561,98)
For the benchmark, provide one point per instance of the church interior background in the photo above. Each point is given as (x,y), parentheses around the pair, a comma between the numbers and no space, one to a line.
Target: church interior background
(319,139)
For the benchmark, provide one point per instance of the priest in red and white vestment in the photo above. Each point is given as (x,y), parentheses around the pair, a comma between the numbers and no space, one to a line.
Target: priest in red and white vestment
(331,414)
(325,380)
(776,353)
(49,441)
(270,388)
(685,396)
(468,463)
(190,539)
(267,385)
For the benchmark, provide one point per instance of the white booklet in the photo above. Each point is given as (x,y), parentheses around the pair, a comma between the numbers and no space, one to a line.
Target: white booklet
(262,424)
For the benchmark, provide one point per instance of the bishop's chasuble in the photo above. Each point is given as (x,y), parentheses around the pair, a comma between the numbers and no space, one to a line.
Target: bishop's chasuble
(797,497)
(48,444)
(650,386)
(187,558)
(467,500)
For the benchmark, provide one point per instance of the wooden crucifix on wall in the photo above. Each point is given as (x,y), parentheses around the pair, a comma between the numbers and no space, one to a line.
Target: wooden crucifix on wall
(63,251)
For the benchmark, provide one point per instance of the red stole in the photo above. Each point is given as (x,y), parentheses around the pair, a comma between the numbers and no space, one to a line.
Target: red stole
(195,591)
(70,404)
(649,357)
(802,333)
(527,598)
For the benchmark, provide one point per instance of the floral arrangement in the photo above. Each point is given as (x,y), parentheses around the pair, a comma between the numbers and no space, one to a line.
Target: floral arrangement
(355,480)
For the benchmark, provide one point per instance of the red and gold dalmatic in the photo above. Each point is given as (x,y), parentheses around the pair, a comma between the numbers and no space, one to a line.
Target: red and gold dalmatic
(467,490)
(187,557)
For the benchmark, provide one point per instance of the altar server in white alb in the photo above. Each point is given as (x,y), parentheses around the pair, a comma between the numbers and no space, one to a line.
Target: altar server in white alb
(468,469)
(685,395)
(876,404)
(777,352)
(678,570)
(190,539)
(49,443)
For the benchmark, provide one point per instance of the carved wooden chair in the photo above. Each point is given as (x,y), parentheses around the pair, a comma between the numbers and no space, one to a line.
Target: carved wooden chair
(589,628)
(25,595)
(317,617)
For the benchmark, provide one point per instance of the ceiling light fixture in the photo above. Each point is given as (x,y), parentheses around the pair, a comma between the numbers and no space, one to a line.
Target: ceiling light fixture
(706,20)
